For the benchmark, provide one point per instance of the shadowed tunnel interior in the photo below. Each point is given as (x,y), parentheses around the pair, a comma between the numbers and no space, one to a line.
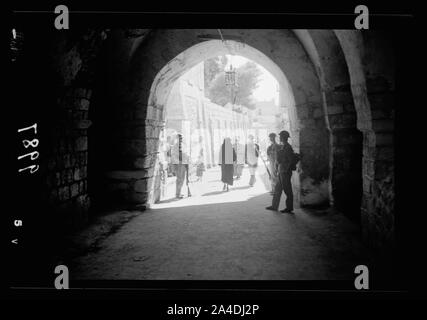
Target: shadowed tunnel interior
(105,94)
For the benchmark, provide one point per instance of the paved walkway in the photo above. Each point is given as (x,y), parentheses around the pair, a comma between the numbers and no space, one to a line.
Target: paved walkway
(226,235)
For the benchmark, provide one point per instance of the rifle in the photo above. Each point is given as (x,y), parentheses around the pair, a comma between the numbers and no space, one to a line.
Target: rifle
(268,171)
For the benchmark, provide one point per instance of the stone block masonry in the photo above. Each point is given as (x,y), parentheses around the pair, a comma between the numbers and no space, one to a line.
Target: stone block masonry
(67,167)
(67,61)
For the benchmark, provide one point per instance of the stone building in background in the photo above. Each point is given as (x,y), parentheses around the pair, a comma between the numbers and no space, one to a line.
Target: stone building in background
(203,123)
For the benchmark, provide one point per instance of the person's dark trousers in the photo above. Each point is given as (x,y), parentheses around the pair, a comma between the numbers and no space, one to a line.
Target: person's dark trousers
(284,184)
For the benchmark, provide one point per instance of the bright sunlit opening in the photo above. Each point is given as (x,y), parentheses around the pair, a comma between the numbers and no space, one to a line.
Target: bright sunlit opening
(268,87)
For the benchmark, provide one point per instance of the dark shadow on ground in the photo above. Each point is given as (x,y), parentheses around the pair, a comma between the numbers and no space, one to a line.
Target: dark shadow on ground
(262,244)
(212,181)
(231,188)
(169,200)
(240,188)
(213,193)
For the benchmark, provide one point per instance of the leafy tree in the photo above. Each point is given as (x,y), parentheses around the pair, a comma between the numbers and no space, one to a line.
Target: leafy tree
(213,67)
(247,81)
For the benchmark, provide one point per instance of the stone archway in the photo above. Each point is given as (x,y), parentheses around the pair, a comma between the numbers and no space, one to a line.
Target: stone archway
(167,76)
(345,153)
(371,65)
(138,125)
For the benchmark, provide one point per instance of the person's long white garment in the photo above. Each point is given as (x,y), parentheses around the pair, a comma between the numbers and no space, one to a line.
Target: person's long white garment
(250,154)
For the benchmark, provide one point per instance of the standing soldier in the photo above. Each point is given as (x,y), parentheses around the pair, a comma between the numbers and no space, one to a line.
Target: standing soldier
(163,165)
(285,161)
(272,160)
(169,144)
(180,161)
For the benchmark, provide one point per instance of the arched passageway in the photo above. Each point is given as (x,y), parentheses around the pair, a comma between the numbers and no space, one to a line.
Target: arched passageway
(110,90)
(345,139)
(165,79)
(331,115)
(371,63)
(159,60)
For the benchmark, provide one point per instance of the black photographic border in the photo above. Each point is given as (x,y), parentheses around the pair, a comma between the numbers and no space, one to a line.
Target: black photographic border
(400,21)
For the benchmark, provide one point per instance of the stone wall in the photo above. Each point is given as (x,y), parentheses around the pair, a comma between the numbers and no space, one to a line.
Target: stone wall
(344,184)
(347,141)
(378,167)
(138,144)
(67,167)
(66,60)
(314,153)
(370,59)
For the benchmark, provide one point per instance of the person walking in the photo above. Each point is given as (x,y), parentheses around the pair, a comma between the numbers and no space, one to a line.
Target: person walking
(251,156)
(285,162)
(227,157)
(163,166)
(272,159)
(200,166)
(240,158)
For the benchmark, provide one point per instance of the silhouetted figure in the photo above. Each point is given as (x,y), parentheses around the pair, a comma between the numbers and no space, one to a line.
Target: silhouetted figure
(200,164)
(164,151)
(200,168)
(285,161)
(180,161)
(272,160)
(168,147)
(227,157)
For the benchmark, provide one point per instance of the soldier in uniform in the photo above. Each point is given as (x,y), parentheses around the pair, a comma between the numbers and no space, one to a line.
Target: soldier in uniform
(272,159)
(284,166)
(180,161)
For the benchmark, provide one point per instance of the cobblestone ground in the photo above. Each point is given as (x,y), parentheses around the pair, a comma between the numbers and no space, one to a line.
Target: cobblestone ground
(226,235)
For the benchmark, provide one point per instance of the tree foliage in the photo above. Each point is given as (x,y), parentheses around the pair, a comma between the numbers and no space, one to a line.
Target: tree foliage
(218,92)
(213,67)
